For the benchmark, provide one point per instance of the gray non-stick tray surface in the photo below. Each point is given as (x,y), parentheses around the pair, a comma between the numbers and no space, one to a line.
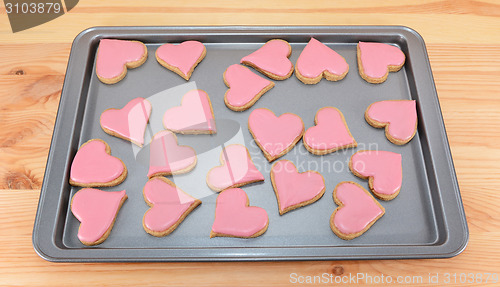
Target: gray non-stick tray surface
(426,220)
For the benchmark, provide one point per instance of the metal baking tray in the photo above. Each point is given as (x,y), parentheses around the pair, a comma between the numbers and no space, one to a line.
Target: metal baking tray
(426,220)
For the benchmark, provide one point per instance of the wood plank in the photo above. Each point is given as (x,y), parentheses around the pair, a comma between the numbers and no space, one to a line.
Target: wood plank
(477,19)
(27,122)
(37,59)
(463,41)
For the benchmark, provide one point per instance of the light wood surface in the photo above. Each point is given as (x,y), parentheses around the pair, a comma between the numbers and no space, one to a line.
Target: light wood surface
(463,41)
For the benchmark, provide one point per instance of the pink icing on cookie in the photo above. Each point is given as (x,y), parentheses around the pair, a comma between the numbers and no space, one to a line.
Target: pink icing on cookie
(93,165)
(113,55)
(384,166)
(375,58)
(294,188)
(130,121)
(194,114)
(275,134)
(182,56)
(234,217)
(244,85)
(358,211)
(317,58)
(167,157)
(169,204)
(237,169)
(400,115)
(96,210)
(330,132)
(272,58)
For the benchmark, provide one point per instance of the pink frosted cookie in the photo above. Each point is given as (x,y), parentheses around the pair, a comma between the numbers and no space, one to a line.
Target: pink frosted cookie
(272,59)
(166,157)
(235,218)
(236,169)
(357,210)
(182,58)
(115,56)
(318,61)
(294,189)
(383,169)
(169,206)
(330,133)
(245,87)
(275,135)
(93,166)
(194,116)
(376,60)
(128,123)
(96,210)
(399,117)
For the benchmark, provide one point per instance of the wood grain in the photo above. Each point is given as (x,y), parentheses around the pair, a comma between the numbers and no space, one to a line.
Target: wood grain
(463,42)
(27,124)
(477,19)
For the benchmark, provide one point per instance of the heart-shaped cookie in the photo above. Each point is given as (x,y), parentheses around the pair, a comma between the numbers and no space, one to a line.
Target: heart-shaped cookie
(376,60)
(96,210)
(182,58)
(317,61)
(357,210)
(398,117)
(194,116)
(294,189)
(245,87)
(128,123)
(275,135)
(330,133)
(93,166)
(272,59)
(237,169)
(115,56)
(383,168)
(166,157)
(235,218)
(169,206)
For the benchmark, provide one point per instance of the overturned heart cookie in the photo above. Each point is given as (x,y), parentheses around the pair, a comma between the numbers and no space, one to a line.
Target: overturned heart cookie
(357,210)
(194,116)
(235,218)
(272,60)
(318,61)
(93,166)
(166,157)
(382,168)
(398,117)
(294,189)
(115,56)
(169,206)
(96,210)
(376,60)
(128,123)
(182,58)
(245,87)
(237,169)
(275,135)
(330,133)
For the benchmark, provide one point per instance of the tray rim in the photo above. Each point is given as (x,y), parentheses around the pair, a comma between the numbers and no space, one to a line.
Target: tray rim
(48,249)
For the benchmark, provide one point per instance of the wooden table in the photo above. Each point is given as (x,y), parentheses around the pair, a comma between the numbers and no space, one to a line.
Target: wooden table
(463,41)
